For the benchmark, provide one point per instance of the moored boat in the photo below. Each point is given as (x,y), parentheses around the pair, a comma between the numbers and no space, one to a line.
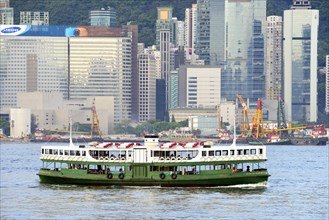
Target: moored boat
(273,139)
(153,164)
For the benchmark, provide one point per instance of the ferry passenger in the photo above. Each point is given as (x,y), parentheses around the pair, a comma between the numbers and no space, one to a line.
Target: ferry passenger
(189,156)
(248,168)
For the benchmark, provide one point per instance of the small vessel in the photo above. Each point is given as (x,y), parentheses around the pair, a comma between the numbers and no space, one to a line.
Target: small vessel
(173,164)
(273,139)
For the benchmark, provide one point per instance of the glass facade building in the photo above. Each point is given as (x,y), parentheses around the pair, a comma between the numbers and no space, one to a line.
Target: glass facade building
(103,17)
(244,73)
(231,35)
(300,61)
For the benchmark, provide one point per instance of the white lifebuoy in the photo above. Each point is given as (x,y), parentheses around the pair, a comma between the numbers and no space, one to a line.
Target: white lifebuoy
(101,158)
(161,158)
(111,158)
(106,158)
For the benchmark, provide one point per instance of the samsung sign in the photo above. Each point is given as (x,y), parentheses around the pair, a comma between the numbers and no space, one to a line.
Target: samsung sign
(13,29)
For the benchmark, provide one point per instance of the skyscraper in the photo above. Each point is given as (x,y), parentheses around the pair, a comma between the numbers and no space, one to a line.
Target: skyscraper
(273,57)
(164,22)
(244,60)
(190,30)
(231,34)
(300,36)
(147,86)
(103,17)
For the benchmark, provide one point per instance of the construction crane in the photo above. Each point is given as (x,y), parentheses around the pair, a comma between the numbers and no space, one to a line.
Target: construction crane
(95,129)
(258,121)
(245,128)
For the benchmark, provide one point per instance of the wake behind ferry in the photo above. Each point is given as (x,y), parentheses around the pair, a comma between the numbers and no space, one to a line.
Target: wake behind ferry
(198,164)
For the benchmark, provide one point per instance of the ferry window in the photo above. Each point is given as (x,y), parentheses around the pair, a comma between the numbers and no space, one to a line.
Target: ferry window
(225,152)
(77,153)
(55,152)
(50,151)
(239,152)
(253,151)
(66,152)
(211,153)
(246,152)
(260,151)
(231,152)
(47,151)
(204,153)
(129,153)
(42,151)
(217,152)
(72,152)
(60,152)
(84,153)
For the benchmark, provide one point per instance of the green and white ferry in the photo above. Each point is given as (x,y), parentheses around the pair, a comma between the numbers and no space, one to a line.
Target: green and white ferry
(195,164)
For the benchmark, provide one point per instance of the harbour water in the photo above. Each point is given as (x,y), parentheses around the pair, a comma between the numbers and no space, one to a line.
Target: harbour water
(297,189)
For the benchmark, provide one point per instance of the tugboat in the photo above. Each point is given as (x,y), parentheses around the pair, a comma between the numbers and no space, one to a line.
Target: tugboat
(172,164)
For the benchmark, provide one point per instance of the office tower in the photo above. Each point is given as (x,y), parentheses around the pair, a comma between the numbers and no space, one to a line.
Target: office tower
(202,46)
(161,112)
(245,26)
(273,57)
(103,17)
(32,63)
(60,59)
(180,34)
(101,66)
(34,18)
(147,87)
(190,30)
(231,34)
(300,36)
(173,87)
(6,13)
(199,86)
(164,22)
(132,32)
(327,83)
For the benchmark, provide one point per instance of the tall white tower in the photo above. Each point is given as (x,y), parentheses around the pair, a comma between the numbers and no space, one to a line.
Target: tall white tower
(273,57)
(300,36)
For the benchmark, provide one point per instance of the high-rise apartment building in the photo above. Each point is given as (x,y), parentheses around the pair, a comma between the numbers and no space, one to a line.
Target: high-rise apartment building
(6,13)
(231,34)
(190,30)
(34,18)
(327,83)
(300,36)
(103,17)
(147,87)
(273,57)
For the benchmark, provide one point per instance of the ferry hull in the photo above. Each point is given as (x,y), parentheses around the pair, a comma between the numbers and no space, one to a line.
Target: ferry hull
(180,181)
